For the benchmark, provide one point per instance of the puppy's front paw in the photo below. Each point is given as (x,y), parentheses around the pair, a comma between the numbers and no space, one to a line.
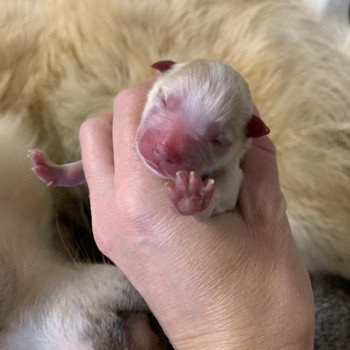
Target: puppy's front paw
(189,194)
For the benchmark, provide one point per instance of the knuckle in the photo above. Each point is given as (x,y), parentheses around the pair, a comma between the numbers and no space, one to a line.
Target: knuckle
(89,126)
(125,97)
(132,95)
(85,126)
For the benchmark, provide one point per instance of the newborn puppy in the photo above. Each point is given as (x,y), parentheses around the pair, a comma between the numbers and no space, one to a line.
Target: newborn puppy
(194,130)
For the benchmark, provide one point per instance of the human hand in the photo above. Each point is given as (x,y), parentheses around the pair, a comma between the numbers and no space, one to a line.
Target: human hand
(233,281)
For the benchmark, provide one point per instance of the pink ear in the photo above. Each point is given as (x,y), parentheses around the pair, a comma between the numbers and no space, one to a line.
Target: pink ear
(163,66)
(256,127)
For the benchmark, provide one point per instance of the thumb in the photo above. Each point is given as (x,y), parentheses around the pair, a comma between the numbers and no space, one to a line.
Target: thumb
(260,193)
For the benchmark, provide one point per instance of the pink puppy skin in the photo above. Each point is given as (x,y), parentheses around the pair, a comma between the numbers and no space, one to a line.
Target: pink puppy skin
(194,130)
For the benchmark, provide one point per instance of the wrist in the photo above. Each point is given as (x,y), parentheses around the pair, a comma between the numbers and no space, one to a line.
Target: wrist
(260,336)
(213,343)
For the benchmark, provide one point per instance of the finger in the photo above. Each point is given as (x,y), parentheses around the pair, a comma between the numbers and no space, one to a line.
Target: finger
(260,191)
(97,152)
(128,108)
